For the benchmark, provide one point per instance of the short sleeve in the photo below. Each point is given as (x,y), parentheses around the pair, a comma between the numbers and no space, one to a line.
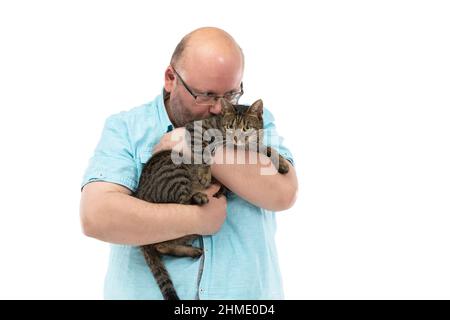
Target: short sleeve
(272,139)
(113,158)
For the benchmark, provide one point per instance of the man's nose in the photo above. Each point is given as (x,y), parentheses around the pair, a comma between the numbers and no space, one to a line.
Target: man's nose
(216,108)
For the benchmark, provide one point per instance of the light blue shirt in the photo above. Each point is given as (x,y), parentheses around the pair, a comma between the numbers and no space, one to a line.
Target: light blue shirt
(239,262)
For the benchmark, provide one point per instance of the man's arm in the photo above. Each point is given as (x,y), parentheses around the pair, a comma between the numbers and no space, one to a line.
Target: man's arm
(108,212)
(258,183)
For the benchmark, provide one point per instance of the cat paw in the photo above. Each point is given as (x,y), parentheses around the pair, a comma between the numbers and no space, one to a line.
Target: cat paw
(283,167)
(196,252)
(200,198)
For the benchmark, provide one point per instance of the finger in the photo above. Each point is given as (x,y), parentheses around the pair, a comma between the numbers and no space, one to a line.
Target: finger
(213,188)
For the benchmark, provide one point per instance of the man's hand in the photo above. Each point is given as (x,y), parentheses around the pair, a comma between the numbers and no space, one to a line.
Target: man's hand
(212,215)
(173,140)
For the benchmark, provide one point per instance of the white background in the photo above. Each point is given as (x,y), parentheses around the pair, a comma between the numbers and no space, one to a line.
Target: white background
(359,89)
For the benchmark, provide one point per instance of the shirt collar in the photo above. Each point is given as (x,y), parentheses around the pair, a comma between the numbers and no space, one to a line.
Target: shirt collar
(162,114)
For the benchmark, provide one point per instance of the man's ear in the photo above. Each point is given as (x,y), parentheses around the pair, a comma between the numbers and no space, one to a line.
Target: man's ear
(227,107)
(256,108)
(169,79)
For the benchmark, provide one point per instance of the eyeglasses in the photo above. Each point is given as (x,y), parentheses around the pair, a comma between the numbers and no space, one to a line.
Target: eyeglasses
(208,99)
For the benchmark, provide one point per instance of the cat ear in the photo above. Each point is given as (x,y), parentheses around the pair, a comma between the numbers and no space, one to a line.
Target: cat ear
(227,107)
(256,108)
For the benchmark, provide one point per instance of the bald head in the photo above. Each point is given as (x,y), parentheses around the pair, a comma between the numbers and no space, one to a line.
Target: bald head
(207,61)
(207,45)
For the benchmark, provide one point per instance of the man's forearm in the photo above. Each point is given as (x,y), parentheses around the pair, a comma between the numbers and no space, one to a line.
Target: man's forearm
(119,218)
(252,176)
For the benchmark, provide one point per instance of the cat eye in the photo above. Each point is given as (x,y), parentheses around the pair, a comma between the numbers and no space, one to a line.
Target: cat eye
(208,99)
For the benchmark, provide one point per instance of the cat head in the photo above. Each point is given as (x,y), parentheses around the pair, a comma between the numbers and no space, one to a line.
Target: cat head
(242,124)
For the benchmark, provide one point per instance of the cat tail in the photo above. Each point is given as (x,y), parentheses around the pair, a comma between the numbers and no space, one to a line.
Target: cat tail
(153,259)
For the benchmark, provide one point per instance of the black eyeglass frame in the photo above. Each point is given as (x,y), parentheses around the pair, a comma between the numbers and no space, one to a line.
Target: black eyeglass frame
(230,97)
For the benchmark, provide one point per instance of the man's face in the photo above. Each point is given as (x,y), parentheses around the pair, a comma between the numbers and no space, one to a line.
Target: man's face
(218,78)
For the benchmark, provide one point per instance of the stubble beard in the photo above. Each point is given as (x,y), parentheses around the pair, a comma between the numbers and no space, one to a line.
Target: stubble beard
(181,115)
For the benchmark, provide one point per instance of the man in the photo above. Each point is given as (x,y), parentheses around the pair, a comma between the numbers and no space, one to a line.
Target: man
(240,258)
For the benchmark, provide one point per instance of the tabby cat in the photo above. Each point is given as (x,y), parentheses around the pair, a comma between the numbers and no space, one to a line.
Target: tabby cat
(163,181)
